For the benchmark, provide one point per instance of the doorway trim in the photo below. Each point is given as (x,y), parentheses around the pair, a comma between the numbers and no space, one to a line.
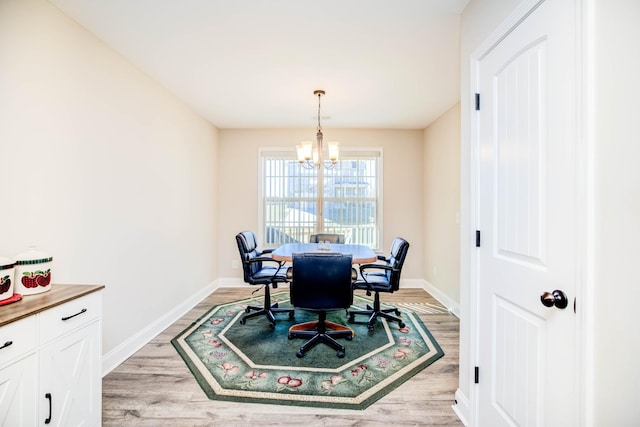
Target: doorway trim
(466,406)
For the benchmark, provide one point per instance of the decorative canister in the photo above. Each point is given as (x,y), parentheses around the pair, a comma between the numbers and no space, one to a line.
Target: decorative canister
(33,272)
(7,267)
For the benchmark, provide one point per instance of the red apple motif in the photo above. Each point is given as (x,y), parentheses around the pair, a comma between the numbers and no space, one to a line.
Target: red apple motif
(43,278)
(47,278)
(28,281)
(5,284)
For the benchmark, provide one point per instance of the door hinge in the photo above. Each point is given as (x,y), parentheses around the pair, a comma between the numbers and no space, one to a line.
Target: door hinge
(476,375)
(477,238)
(477,102)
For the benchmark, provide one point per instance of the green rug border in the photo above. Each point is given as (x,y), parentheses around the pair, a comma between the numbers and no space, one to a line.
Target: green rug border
(210,393)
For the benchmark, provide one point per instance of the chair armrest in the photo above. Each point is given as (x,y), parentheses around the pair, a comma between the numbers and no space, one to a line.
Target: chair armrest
(267,251)
(382,258)
(365,267)
(265,259)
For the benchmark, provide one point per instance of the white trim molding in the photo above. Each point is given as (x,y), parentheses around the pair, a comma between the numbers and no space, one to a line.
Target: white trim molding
(119,354)
(461,407)
(444,299)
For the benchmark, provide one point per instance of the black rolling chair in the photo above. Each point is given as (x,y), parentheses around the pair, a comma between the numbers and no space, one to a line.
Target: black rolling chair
(261,270)
(382,278)
(324,237)
(321,282)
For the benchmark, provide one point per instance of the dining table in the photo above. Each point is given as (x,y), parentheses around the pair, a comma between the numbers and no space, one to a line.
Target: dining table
(361,254)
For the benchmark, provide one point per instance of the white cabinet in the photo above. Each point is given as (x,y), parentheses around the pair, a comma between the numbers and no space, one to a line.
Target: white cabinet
(18,388)
(50,374)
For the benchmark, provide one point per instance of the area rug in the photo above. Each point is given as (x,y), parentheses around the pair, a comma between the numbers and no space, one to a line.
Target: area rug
(256,363)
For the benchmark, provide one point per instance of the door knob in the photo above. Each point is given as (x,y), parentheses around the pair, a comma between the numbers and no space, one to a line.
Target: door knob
(557,298)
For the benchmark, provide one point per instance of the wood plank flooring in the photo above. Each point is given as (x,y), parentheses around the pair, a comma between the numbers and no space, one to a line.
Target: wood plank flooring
(154,387)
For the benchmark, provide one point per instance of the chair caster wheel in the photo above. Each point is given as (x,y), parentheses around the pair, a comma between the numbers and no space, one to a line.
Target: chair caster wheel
(291,314)
(348,337)
(340,354)
(243,321)
(397,312)
(351,318)
(402,325)
(370,326)
(290,336)
(299,355)
(272,325)
(246,310)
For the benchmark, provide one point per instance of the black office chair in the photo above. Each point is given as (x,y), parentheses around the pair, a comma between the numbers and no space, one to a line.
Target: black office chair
(324,237)
(321,282)
(261,270)
(382,278)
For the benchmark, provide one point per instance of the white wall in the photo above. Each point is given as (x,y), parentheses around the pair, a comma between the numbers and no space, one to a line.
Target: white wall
(402,173)
(441,267)
(609,303)
(616,211)
(103,169)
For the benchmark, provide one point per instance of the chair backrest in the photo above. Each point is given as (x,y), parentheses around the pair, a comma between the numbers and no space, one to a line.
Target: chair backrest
(321,281)
(323,237)
(397,255)
(248,248)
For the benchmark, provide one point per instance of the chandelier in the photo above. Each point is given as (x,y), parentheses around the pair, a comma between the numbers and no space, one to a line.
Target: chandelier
(312,157)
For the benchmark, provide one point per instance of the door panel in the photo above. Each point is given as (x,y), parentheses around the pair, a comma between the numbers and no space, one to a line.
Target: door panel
(518,353)
(526,210)
(520,163)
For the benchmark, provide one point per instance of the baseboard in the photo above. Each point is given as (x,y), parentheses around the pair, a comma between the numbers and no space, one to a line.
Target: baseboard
(461,407)
(115,357)
(444,299)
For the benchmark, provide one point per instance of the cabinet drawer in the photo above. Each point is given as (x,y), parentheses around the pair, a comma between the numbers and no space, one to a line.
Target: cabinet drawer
(69,316)
(22,336)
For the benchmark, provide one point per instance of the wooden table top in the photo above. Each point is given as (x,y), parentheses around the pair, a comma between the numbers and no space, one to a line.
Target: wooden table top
(361,254)
(32,304)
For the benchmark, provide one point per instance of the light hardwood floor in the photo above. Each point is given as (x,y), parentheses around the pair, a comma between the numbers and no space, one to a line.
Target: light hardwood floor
(154,387)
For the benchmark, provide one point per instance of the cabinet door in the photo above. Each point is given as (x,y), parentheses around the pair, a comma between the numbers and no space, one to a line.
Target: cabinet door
(18,400)
(70,379)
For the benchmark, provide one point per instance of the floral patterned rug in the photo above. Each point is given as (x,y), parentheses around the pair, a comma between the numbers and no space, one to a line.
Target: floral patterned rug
(256,363)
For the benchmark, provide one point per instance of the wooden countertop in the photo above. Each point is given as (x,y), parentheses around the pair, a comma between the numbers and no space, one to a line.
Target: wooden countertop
(32,304)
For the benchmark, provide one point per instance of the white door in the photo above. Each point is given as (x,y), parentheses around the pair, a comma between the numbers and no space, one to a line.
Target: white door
(526,214)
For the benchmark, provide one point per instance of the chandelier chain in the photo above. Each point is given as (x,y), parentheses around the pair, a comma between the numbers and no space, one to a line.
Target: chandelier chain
(319,127)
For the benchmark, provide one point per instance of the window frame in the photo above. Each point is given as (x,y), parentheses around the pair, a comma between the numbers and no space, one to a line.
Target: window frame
(265,152)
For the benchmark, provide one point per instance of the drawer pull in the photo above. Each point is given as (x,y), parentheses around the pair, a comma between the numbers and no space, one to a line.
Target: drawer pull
(48,420)
(74,315)
(7,344)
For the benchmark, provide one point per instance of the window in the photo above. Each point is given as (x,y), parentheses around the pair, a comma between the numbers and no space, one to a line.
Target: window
(297,202)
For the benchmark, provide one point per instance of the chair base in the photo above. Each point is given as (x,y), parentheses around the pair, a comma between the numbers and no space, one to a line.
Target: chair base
(268,309)
(321,331)
(374,312)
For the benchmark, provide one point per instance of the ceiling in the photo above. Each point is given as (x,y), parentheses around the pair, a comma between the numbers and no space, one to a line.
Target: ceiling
(255,63)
